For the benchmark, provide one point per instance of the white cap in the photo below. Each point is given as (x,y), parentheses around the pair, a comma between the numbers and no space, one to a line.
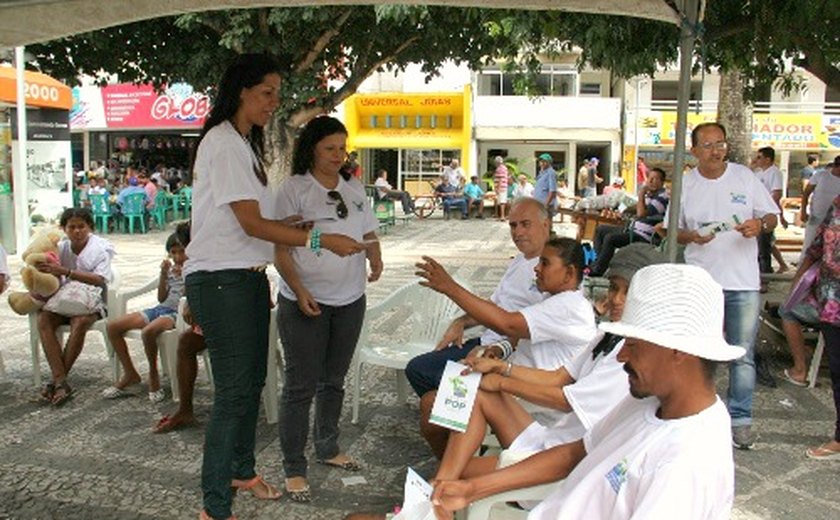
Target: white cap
(679,307)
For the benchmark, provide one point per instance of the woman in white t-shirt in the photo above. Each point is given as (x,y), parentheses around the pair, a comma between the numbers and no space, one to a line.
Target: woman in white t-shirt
(558,327)
(321,306)
(233,233)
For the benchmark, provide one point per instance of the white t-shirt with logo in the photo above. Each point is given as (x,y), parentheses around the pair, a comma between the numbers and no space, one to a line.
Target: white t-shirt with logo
(640,466)
(224,173)
(827,188)
(382,187)
(329,278)
(560,328)
(771,178)
(600,384)
(516,290)
(729,258)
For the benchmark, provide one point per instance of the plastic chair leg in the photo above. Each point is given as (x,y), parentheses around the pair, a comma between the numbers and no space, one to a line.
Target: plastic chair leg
(35,347)
(357,391)
(815,362)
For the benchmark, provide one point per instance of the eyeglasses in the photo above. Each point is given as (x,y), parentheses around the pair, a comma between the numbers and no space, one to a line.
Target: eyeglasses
(341,207)
(720,145)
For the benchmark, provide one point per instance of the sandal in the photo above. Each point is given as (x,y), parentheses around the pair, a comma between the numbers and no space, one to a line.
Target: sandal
(62,394)
(167,424)
(822,453)
(157,396)
(301,495)
(112,392)
(47,392)
(251,485)
(347,465)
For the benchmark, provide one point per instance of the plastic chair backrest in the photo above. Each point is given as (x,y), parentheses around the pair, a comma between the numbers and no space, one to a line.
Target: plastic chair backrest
(134,205)
(186,195)
(99,204)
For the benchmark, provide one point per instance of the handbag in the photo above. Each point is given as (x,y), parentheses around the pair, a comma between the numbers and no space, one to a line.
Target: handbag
(75,298)
(804,288)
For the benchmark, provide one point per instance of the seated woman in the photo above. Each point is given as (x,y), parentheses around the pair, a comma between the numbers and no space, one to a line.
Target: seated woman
(820,308)
(557,328)
(650,210)
(86,258)
(152,322)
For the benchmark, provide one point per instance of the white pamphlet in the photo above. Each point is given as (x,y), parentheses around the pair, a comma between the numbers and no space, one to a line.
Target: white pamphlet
(417,503)
(455,398)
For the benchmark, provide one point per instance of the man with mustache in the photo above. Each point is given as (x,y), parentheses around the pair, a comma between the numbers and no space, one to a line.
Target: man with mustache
(665,452)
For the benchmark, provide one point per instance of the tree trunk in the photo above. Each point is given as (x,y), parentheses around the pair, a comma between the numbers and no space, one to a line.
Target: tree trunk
(279,146)
(735,114)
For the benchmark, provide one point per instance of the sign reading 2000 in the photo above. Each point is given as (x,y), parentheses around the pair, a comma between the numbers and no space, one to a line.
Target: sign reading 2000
(35,91)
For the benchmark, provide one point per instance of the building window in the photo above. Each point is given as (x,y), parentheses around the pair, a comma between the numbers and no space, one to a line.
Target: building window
(590,89)
(553,80)
(426,164)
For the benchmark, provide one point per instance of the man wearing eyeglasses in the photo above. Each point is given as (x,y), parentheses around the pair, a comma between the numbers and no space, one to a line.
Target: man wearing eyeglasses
(723,209)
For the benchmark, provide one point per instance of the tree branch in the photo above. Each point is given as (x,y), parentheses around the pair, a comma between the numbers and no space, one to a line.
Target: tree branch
(322,42)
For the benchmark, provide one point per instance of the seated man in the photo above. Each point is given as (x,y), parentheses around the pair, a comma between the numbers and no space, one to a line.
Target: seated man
(132,188)
(475,197)
(529,230)
(585,389)
(665,452)
(650,210)
(384,190)
(451,196)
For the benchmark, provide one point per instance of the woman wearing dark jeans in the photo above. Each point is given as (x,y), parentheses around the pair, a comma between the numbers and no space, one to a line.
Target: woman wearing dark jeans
(225,275)
(322,298)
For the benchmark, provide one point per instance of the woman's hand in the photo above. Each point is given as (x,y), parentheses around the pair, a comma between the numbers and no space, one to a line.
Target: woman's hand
(307,304)
(436,276)
(51,268)
(296,221)
(451,495)
(484,365)
(454,335)
(341,245)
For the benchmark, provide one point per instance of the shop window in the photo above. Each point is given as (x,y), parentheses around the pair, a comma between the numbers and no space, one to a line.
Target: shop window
(590,89)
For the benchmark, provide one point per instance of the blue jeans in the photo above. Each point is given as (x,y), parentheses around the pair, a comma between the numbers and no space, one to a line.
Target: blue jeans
(318,352)
(740,324)
(424,371)
(232,308)
(449,203)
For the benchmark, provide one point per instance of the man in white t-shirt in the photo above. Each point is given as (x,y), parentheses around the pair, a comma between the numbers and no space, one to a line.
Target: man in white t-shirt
(771,177)
(529,230)
(454,173)
(821,189)
(384,191)
(665,452)
(723,209)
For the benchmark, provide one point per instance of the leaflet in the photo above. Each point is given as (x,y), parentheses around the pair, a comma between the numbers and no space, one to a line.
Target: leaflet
(455,398)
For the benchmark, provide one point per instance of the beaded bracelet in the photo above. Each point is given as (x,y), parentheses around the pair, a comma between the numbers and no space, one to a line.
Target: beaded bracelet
(315,242)
(507,348)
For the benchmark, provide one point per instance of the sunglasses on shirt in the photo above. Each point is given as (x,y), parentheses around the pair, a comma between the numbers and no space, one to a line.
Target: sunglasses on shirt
(341,207)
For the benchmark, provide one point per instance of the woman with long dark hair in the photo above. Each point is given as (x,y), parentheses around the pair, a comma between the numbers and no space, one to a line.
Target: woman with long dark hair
(322,298)
(233,236)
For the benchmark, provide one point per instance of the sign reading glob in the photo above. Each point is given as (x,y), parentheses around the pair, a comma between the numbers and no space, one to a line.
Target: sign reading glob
(138,106)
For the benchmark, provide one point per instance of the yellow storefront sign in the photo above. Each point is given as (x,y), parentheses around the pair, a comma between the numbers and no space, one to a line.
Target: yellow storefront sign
(781,131)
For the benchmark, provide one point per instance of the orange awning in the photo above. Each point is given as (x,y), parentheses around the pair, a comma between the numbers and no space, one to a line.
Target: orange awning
(41,90)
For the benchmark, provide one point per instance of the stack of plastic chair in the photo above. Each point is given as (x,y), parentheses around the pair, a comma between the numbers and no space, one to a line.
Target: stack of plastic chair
(185,200)
(134,209)
(101,210)
(163,202)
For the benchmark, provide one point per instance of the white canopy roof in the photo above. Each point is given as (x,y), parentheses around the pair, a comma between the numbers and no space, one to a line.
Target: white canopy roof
(24,22)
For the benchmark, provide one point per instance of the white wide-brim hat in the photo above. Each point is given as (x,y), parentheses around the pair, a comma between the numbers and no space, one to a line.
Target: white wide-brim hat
(679,307)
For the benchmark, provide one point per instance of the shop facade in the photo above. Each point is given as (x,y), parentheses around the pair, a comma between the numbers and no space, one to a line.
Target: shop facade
(48,156)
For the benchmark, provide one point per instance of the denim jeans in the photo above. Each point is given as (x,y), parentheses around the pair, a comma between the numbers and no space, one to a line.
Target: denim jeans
(232,308)
(740,324)
(317,351)
(460,203)
(424,371)
(831,335)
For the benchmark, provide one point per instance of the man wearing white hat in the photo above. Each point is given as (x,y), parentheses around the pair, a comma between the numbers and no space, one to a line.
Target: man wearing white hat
(665,452)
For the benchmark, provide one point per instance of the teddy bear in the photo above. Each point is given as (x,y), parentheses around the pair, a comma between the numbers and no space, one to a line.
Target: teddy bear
(43,248)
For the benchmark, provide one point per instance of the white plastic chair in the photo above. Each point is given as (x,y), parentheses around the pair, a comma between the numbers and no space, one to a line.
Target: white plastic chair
(408,323)
(112,305)
(495,506)
(815,362)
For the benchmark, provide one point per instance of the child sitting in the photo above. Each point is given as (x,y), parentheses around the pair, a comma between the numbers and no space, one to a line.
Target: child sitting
(153,322)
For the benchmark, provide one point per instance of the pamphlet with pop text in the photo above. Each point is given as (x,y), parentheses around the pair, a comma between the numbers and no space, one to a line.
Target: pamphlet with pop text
(455,398)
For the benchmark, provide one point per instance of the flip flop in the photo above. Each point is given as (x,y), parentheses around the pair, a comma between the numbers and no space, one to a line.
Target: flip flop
(112,392)
(301,495)
(822,453)
(63,393)
(166,424)
(795,382)
(45,396)
(250,485)
(157,396)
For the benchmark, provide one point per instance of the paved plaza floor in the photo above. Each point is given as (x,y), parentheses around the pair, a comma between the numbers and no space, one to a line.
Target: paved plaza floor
(97,459)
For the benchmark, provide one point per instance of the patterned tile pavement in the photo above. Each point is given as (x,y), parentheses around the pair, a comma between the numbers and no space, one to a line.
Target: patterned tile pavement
(96,459)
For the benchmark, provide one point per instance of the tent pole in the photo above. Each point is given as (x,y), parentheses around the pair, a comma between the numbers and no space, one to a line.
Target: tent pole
(21,188)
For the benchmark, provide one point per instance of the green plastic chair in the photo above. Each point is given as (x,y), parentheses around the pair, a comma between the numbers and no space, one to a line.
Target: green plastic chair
(185,200)
(134,209)
(163,202)
(101,209)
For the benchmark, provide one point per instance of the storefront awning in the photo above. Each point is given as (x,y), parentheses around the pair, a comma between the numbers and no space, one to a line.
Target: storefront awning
(41,90)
